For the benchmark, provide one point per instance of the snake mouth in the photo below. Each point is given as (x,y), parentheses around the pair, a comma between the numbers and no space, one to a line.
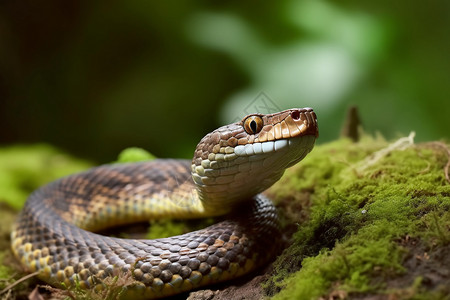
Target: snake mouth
(261,148)
(284,152)
(268,147)
(297,128)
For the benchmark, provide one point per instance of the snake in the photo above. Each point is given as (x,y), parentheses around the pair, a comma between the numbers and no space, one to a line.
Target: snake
(57,232)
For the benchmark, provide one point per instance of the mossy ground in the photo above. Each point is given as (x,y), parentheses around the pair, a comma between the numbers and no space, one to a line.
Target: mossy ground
(368,220)
(366,209)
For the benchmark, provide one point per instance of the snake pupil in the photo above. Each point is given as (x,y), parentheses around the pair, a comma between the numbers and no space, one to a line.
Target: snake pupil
(253,126)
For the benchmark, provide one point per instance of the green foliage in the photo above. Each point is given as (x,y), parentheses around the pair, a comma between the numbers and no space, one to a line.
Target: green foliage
(25,168)
(127,75)
(363,200)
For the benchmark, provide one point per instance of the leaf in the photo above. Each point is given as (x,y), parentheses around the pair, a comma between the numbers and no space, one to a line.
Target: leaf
(35,295)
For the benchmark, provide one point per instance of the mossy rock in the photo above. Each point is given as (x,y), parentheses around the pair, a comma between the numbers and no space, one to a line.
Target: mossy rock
(372,220)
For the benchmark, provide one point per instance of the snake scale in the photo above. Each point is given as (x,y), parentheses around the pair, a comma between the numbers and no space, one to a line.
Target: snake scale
(55,231)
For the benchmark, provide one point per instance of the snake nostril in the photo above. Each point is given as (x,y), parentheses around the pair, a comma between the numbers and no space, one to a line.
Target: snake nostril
(295,115)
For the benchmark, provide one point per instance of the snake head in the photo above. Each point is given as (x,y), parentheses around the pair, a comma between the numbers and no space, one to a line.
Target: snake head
(239,160)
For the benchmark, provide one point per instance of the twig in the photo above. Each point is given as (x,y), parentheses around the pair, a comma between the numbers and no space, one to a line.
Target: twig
(401,144)
(446,149)
(18,281)
(58,293)
(352,124)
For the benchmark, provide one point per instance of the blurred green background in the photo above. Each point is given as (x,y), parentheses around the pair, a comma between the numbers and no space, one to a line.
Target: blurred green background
(94,77)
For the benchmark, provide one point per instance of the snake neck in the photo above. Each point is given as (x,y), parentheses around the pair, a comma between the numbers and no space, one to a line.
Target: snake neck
(221,190)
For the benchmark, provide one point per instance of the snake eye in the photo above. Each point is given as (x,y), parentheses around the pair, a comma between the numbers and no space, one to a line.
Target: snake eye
(253,124)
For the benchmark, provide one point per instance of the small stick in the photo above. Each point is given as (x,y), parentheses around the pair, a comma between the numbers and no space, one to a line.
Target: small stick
(18,281)
(351,124)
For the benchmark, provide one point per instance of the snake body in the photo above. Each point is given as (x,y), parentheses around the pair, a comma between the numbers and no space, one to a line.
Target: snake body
(55,231)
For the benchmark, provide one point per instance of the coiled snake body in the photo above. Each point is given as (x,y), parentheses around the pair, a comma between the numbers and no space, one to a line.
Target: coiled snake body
(54,233)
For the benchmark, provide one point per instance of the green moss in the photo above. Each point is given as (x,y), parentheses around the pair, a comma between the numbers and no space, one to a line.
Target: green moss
(112,288)
(134,154)
(361,203)
(25,168)
(437,226)
(168,227)
(164,228)
(5,271)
